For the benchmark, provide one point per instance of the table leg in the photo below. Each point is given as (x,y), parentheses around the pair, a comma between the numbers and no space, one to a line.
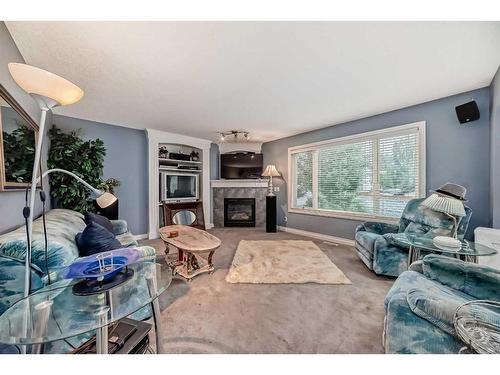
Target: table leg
(102,332)
(410,256)
(209,261)
(41,320)
(155,307)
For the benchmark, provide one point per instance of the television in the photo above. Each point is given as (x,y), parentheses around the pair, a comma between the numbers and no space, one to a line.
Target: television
(179,187)
(241,165)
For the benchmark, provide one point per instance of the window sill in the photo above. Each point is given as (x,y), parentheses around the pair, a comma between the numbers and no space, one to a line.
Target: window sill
(344,215)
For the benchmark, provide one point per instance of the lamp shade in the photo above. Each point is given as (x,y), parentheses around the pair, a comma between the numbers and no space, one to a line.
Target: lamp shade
(106,199)
(37,81)
(271,171)
(444,204)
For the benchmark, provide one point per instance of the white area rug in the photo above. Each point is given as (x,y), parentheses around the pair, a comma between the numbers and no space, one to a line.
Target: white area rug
(283,262)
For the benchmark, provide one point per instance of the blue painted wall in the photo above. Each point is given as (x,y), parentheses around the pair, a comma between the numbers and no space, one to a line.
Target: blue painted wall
(455,153)
(126,160)
(495,150)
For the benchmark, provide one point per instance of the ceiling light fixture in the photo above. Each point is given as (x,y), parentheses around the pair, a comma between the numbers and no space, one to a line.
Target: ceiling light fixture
(236,135)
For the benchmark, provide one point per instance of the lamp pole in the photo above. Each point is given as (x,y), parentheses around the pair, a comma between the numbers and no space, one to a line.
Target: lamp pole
(31,206)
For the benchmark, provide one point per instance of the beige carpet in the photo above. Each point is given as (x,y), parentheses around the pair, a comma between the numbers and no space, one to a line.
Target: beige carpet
(283,262)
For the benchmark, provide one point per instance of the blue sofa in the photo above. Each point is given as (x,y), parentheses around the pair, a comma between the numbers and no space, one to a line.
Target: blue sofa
(380,253)
(62,227)
(421,304)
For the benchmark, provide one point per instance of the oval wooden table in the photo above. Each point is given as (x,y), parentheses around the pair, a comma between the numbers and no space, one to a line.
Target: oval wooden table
(192,242)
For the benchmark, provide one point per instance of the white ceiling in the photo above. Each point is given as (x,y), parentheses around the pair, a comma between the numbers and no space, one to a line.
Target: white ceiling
(273,79)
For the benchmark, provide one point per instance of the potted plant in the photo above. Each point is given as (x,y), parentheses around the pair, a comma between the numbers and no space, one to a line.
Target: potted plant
(84,158)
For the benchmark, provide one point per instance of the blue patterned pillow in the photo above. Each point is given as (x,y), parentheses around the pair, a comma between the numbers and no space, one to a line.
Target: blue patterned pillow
(96,239)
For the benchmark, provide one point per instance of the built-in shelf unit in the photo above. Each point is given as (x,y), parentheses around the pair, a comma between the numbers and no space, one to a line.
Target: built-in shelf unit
(175,147)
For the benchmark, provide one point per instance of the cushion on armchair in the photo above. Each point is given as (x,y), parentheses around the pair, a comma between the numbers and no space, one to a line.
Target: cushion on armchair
(377,227)
(476,280)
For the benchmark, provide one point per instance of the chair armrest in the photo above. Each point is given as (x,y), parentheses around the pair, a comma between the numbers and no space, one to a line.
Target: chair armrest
(473,279)
(119,227)
(378,228)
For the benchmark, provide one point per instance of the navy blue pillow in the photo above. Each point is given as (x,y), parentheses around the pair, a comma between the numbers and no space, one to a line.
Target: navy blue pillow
(101,220)
(96,239)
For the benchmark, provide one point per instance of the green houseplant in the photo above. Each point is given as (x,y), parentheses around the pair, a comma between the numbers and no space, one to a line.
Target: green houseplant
(19,153)
(84,158)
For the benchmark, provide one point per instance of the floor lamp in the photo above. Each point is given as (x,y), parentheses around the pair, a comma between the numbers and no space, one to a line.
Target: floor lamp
(49,91)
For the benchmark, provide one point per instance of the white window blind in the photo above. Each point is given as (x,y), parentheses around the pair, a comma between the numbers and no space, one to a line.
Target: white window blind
(369,175)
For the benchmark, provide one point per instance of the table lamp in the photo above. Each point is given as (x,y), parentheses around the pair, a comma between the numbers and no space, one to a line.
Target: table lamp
(271,172)
(448,199)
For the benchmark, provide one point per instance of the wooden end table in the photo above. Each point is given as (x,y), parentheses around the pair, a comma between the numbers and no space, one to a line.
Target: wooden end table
(191,243)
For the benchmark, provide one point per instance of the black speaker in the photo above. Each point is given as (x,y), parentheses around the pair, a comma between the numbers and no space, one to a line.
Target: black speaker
(271,214)
(467,112)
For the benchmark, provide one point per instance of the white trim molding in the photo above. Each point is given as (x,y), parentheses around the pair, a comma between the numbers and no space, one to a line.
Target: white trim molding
(260,183)
(318,236)
(139,237)
(155,137)
(228,147)
(419,127)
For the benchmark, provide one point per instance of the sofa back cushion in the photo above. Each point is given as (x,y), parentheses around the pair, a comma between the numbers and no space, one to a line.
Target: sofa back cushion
(62,226)
(479,281)
(421,220)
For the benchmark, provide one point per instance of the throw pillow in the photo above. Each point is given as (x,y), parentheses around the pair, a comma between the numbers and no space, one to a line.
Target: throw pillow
(96,239)
(101,220)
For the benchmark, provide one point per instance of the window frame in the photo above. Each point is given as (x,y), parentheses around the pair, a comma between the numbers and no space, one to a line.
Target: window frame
(420,128)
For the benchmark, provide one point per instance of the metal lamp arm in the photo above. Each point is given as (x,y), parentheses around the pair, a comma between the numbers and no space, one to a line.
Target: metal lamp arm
(94,190)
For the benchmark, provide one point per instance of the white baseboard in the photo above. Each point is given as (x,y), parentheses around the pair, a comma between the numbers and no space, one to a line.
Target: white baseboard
(139,237)
(319,236)
(153,235)
(209,225)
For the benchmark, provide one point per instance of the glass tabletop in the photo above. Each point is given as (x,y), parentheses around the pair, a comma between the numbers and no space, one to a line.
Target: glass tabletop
(425,243)
(56,312)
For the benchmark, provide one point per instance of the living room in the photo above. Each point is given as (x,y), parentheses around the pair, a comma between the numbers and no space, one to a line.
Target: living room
(249,187)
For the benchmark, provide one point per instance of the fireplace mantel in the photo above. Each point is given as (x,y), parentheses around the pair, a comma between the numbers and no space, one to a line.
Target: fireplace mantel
(261,183)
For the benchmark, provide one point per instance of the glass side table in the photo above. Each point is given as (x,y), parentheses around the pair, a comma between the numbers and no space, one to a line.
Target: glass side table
(469,251)
(478,325)
(55,313)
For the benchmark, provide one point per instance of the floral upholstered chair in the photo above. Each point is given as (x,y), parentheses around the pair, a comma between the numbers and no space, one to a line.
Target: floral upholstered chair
(379,252)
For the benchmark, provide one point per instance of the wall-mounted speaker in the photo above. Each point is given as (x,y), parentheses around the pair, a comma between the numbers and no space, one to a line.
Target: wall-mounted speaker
(467,112)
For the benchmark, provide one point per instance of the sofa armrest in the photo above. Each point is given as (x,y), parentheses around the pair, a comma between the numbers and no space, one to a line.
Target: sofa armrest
(378,228)
(473,279)
(147,251)
(119,227)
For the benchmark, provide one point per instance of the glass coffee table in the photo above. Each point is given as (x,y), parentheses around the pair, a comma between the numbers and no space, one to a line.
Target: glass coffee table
(56,313)
(468,252)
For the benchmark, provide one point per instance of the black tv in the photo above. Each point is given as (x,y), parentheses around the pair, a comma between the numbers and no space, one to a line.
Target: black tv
(241,165)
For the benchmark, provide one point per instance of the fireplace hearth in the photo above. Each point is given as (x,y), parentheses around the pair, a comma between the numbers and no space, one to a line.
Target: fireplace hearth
(239,212)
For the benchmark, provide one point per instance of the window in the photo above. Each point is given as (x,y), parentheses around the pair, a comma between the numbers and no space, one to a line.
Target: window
(370,175)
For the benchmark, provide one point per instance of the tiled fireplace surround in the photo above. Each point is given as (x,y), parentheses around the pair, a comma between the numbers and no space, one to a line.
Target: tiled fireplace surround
(227,189)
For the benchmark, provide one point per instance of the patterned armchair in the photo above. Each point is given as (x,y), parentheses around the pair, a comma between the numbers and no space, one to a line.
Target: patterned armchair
(377,249)
(420,306)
